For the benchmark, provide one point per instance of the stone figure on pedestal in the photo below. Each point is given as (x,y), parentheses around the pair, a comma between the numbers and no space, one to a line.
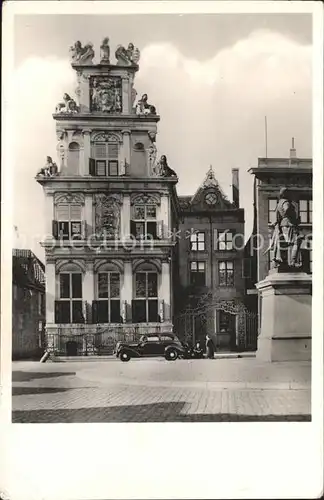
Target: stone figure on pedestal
(67,106)
(50,168)
(82,55)
(127,57)
(144,108)
(162,168)
(105,51)
(286,239)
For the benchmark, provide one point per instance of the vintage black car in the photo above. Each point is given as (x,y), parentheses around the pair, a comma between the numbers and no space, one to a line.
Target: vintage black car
(183,350)
(148,345)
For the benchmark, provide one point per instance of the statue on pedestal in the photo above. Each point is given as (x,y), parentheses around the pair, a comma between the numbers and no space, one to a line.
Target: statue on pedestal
(105,51)
(286,238)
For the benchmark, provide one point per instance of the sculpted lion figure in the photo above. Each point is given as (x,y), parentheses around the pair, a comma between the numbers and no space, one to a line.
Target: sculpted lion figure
(67,106)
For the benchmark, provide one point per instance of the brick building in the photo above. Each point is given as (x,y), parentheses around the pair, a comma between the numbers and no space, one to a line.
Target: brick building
(269,176)
(210,262)
(28,305)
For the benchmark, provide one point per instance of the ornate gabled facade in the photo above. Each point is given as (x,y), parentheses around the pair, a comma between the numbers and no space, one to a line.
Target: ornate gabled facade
(210,264)
(110,208)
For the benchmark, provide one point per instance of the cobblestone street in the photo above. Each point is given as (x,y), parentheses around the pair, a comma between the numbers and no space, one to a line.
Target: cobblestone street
(154,390)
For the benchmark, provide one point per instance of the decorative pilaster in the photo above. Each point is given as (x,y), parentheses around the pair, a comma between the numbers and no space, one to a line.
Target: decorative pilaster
(125,91)
(49,214)
(125,217)
(88,214)
(125,152)
(83,92)
(165,215)
(88,290)
(84,162)
(126,292)
(50,285)
(165,290)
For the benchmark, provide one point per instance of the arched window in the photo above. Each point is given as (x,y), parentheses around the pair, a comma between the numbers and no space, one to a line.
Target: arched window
(104,156)
(145,302)
(69,306)
(73,158)
(68,222)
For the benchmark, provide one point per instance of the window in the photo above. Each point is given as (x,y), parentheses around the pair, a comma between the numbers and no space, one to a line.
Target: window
(144,223)
(104,159)
(108,306)
(69,307)
(197,242)
(226,273)
(145,305)
(224,322)
(198,273)
(225,240)
(305,208)
(272,205)
(68,218)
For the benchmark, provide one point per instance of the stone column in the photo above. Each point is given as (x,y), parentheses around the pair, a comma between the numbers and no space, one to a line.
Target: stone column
(125,96)
(88,215)
(286,317)
(165,215)
(165,290)
(50,288)
(49,214)
(84,162)
(125,217)
(88,291)
(126,292)
(124,155)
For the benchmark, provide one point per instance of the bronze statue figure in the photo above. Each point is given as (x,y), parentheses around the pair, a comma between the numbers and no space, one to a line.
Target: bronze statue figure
(286,238)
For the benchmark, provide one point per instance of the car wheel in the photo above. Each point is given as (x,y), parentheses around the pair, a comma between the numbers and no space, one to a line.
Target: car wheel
(124,356)
(171,355)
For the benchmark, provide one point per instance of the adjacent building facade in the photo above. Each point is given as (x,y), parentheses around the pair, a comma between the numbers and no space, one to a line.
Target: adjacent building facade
(211,249)
(270,175)
(28,305)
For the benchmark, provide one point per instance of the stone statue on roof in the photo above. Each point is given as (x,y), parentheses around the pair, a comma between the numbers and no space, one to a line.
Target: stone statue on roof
(105,51)
(127,57)
(82,55)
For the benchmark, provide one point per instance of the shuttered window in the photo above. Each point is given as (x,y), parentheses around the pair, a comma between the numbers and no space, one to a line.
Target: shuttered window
(105,157)
(68,217)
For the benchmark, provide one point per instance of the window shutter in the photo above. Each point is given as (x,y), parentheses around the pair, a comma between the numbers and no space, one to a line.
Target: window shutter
(75,211)
(159,229)
(153,311)
(133,228)
(55,229)
(57,315)
(100,150)
(92,167)
(112,150)
(161,311)
(94,311)
(139,311)
(115,316)
(151,229)
(62,212)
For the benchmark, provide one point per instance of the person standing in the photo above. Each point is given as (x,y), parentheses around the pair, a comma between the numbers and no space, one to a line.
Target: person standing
(210,348)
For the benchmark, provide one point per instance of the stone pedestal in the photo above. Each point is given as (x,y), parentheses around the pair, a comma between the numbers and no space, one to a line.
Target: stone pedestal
(286,317)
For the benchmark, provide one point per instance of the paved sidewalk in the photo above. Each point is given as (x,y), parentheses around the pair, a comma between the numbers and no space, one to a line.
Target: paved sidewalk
(158,391)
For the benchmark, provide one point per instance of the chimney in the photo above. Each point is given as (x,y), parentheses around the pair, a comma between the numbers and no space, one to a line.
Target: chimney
(235,187)
(292,149)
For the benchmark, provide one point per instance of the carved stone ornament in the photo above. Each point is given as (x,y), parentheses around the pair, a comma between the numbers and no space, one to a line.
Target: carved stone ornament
(49,170)
(67,106)
(77,198)
(145,199)
(107,215)
(106,94)
(162,168)
(82,55)
(127,57)
(143,107)
(105,51)
(106,137)
(151,156)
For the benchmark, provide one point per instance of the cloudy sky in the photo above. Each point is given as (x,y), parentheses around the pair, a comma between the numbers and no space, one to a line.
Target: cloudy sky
(213,79)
